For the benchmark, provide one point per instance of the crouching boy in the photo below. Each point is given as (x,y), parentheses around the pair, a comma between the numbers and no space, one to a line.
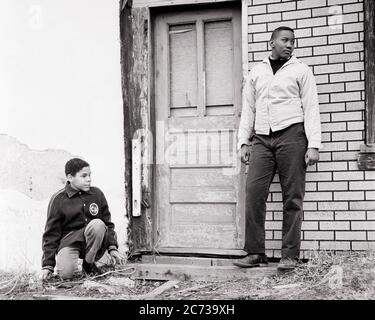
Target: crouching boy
(78,226)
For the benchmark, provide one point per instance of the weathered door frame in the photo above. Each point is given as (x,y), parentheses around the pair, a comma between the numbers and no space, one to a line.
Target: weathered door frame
(137,91)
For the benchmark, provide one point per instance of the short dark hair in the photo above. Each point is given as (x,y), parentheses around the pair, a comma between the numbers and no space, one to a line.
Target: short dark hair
(74,165)
(277,30)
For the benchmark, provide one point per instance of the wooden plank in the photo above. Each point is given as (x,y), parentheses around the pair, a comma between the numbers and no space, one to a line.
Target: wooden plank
(162,3)
(202,251)
(198,261)
(199,273)
(204,194)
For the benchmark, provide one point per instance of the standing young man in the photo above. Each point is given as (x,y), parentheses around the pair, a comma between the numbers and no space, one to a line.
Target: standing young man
(279,130)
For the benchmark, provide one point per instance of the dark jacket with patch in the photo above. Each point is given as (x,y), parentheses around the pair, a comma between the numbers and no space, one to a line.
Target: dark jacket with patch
(69,212)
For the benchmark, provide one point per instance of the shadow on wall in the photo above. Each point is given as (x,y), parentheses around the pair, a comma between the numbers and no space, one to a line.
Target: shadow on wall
(28,180)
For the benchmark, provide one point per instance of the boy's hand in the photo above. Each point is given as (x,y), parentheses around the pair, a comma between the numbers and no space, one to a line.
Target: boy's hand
(116,257)
(311,156)
(46,274)
(245,153)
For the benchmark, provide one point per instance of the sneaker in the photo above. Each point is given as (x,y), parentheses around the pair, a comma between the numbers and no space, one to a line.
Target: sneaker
(287,264)
(90,269)
(251,260)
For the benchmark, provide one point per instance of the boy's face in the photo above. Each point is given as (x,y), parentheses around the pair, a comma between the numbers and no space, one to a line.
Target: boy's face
(81,180)
(283,44)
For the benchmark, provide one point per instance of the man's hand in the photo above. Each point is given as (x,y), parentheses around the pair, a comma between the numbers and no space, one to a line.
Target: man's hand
(311,156)
(245,153)
(46,274)
(116,257)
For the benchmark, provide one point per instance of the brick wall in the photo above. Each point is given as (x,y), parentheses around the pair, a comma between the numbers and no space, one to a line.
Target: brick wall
(340,199)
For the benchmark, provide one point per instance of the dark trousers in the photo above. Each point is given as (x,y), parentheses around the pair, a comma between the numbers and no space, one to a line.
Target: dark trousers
(283,151)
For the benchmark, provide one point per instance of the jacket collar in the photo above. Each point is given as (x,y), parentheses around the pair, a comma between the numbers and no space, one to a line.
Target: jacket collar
(71,191)
(292,59)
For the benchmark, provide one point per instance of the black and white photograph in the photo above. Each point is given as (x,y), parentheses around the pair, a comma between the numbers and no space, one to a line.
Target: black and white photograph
(187,155)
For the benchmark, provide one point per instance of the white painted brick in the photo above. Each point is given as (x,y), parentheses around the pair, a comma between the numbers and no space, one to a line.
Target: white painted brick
(370,235)
(353,27)
(325,156)
(347,116)
(318,196)
(363,225)
(350,235)
(334,225)
(346,136)
(335,205)
(370,195)
(329,49)
(342,185)
(356,105)
(269,17)
(312,22)
(334,146)
(329,68)
(318,215)
(310,206)
(318,176)
(332,166)
(370,175)
(273,225)
(310,225)
(322,78)
(258,46)
(268,235)
(257,9)
(346,176)
(277,197)
(275,187)
(370,215)
(347,76)
(298,14)
(354,145)
(310,4)
(303,52)
(348,96)
(277,235)
(272,26)
(338,2)
(286,6)
(350,215)
(314,41)
(353,165)
(302,33)
(274,206)
(260,55)
(344,57)
(354,66)
(309,245)
(310,186)
(277,215)
(354,195)
(324,88)
(356,125)
(343,38)
(362,185)
(334,126)
(353,47)
(361,245)
(349,155)
(255,2)
(319,235)
(264,36)
(261,27)
(353,7)
(334,245)
(325,11)
(273,244)
(355,86)
(362,205)
(328,30)
(315,60)
(332,107)
(350,17)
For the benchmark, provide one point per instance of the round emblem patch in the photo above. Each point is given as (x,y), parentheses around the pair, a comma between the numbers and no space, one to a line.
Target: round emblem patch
(94,209)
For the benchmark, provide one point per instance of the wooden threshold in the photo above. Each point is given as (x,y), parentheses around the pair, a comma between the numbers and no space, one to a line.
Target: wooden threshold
(202,251)
(182,272)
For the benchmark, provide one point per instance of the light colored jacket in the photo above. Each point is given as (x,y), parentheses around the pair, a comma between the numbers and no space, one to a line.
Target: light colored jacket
(278,101)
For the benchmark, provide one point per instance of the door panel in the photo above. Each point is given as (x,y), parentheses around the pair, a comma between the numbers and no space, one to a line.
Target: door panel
(198,74)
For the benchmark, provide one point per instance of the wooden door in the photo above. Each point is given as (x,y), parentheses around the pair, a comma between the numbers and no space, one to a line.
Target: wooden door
(198,75)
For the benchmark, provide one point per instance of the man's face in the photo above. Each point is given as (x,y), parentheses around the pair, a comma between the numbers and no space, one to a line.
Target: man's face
(81,180)
(283,44)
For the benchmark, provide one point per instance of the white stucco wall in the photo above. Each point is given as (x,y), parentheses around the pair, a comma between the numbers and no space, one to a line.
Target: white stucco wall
(60,96)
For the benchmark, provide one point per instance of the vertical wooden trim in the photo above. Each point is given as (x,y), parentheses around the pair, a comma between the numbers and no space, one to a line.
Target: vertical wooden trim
(244,33)
(201,69)
(370,70)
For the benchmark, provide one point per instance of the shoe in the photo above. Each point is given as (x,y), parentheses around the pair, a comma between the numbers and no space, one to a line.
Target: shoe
(251,261)
(90,269)
(287,264)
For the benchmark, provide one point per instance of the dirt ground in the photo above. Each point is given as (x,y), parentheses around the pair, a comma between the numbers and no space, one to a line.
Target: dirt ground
(326,276)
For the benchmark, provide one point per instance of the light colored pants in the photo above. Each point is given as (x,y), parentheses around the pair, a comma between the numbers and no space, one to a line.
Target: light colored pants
(67,257)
